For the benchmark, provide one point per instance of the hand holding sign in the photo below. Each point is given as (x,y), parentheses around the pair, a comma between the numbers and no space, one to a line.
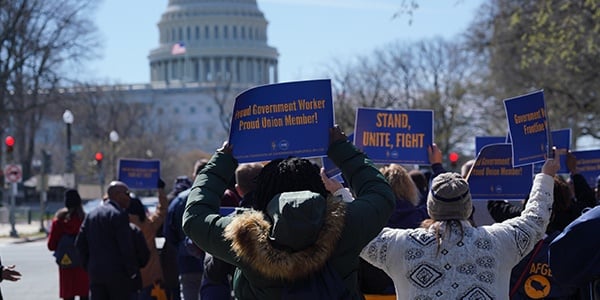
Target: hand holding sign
(336,134)
(435,154)
(551,165)
(227,148)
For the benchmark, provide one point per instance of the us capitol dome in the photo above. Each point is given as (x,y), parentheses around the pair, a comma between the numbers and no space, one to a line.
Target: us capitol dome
(218,41)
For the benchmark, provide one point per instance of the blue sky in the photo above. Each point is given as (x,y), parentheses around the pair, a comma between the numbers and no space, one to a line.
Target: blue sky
(309,34)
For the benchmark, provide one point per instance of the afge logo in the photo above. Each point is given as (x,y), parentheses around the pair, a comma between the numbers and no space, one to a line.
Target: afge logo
(537,287)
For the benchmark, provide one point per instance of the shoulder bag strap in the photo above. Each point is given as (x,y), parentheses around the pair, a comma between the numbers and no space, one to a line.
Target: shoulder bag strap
(533,254)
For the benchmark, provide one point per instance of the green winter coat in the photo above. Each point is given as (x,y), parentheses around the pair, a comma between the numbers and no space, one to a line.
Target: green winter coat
(243,240)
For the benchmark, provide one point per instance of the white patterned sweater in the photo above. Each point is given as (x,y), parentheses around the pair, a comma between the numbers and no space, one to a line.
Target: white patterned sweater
(478,266)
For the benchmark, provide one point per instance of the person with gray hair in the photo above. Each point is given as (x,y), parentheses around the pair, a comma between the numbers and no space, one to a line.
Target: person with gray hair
(447,257)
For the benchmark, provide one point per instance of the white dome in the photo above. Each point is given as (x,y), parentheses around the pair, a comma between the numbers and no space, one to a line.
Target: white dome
(218,41)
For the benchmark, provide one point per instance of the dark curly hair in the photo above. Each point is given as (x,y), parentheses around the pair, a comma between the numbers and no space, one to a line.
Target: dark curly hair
(287,175)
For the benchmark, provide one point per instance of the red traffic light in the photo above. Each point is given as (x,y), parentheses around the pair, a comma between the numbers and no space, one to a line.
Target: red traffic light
(98,156)
(453,157)
(10,141)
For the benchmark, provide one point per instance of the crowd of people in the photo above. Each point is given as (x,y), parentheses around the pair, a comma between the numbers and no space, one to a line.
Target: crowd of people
(298,234)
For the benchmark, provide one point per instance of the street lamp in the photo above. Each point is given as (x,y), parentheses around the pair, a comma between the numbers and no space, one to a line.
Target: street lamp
(68,119)
(114,138)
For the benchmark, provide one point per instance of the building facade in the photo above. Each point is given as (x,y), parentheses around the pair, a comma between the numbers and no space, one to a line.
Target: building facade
(208,52)
(213,41)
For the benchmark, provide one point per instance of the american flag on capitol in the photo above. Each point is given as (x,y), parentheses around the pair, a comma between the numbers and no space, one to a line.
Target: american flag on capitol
(178,48)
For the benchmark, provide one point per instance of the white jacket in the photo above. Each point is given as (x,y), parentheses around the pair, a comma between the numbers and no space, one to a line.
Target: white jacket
(473,265)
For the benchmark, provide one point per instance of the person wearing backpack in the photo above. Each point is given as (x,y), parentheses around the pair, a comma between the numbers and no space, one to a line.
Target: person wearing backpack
(300,242)
(73,278)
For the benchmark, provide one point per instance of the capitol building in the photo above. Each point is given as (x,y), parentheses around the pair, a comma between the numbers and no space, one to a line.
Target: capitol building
(208,52)
(204,41)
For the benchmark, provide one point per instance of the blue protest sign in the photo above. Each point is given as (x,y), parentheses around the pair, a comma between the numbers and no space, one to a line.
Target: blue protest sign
(494,178)
(139,173)
(588,165)
(481,141)
(528,126)
(394,136)
(561,139)
(281,120)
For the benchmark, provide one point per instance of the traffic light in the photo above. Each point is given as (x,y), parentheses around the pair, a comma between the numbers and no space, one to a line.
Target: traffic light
(453,157)
(10,144)
(99,156)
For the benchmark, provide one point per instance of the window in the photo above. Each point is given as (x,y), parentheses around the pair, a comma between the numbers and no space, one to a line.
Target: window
(192,109)
(234,32)
(243,33)
(189,33)
(206,33)
(209,133)
(216,32)
(225,32)
(207,70)
(197,32)
(180,37)
(193,133)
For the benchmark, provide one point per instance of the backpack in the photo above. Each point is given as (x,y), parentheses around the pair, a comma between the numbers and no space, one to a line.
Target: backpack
(324,284)
(66,254)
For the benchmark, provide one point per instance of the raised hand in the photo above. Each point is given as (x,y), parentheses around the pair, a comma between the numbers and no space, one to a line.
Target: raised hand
(552,165)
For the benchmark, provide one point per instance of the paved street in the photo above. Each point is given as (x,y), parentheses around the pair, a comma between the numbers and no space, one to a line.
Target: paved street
(36,264)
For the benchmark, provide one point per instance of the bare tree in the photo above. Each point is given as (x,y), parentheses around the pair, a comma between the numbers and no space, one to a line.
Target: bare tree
(39,42)
(432,74)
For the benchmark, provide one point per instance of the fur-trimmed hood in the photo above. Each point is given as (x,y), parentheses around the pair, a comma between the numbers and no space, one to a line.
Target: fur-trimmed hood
(249,234)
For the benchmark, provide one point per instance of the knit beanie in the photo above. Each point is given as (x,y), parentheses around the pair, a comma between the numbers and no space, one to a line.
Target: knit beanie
(72,198)
(449,198)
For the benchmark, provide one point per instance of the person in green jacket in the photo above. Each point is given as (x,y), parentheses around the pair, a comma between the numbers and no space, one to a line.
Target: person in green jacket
(296,226)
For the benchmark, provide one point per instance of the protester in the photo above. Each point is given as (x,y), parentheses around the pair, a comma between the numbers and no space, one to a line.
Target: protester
(574,257)
(189,265)
(106,247)
(407,214)
(532,278)
(216,279)
(152,279)
(168,253)
(295,232)
(448,258)
(73,280)
(501,210)
(581,197)
(583,194)
(142,255)
(598,190)
(418,177)
(8,273)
